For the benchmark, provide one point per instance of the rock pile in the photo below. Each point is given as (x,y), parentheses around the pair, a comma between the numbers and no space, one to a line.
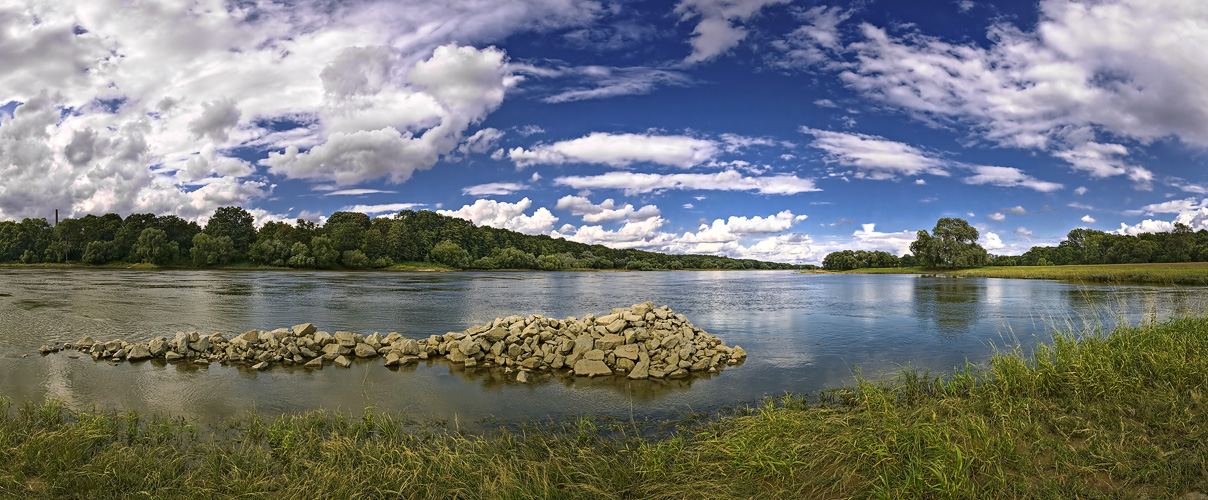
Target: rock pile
(642,341)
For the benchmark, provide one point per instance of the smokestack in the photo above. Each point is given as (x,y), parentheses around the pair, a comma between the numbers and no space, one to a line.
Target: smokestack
(56,216)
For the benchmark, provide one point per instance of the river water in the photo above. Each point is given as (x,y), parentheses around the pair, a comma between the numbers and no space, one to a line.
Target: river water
(802,333)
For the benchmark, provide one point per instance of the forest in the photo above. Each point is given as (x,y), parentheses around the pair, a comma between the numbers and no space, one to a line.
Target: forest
(346,240)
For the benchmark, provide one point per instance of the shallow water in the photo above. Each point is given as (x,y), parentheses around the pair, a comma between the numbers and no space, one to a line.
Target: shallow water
(802,333)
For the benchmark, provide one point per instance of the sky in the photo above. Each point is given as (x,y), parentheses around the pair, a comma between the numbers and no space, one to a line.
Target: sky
(776,130)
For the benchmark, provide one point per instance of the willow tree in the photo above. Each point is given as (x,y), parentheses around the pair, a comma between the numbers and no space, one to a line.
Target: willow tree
(952,243)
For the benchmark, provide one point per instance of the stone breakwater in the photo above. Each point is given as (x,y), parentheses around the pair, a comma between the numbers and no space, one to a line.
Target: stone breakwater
(640,342)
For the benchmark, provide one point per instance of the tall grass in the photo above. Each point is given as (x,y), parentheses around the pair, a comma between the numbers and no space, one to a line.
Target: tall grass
(1120,414)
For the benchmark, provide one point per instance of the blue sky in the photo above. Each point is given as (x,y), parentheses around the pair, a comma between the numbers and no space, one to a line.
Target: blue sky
(769,129)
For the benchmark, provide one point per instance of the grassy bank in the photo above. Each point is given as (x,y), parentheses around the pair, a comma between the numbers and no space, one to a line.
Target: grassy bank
(1119,415)
(1181,273)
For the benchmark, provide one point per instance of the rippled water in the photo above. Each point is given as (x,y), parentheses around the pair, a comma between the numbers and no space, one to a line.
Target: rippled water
(802,333)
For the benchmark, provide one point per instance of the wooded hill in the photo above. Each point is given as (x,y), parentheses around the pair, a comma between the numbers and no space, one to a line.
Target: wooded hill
(347,240)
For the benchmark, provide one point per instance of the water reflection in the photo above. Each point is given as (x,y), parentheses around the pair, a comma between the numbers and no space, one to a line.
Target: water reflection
(802,333)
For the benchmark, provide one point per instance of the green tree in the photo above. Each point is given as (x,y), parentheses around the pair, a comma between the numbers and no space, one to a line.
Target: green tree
(952,243)
(212,250)
(324,253)
(355,259)
(300,256)
(234,223)
(449,254)
(153,246)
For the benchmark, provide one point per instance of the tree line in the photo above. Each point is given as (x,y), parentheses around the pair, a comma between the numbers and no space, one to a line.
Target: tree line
(953,243)
(346,240)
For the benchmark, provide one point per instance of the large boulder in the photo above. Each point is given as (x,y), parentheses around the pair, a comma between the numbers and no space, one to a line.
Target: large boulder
(303,330)
(365,351)
(591,368)
(138,353)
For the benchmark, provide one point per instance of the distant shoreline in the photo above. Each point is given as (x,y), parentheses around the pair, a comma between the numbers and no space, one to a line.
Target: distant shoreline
(406,267)
(1174,273)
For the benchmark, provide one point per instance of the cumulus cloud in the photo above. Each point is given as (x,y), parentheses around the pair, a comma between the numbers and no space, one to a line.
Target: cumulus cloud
(1088,219)
(734,228)
(1195,218)
(1170,207)
(1080,190)
(1015,210)
(873,156)
(997,217)
(815,41)
(720,27)
(606,211)
(991,241)
(620,150)
(482,141)
(148,99)
(636,183)
(1023,231)
(505,215)
(1009,177)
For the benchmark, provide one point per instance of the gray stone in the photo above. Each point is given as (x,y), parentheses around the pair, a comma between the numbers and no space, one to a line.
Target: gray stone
(158,346)
(139,353)
(172,356)
(343,362)
(263,365)
(200,345)
(591,368)
(469,347)
(680,373)
(616,326)
(251,337)
(585,342)
(594,355)
(627,351)
(670,342)
(495,334)
(623,364)
(346,339)
(738,354)
(700,366)
(85,343)
(471,362)
(365,351)
(307,353)
(640,371)
(407,346)
(609,342)
(392,358)
(181,343)
(303,329)
(323,338)
(522,377)
(314,363)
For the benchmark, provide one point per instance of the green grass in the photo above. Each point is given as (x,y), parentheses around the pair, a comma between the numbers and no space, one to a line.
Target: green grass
(1181,273)
(1093,415)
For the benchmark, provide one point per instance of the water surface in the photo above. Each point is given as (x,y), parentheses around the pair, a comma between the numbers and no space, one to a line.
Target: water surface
(802,333)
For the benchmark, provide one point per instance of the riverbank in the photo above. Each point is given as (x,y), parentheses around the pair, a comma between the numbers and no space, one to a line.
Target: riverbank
(1179,273)
(1110,415)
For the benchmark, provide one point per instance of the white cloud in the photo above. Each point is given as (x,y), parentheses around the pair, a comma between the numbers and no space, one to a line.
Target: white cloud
(606,211)
(494,188)
(825,103)
(816,41)
(602,82)
(383,208)
(1088,219)
(1080,206)
(875,157)
(1084,69)
(719,29)
(1009,177)
(868,238)
(357,192)
(1170,207)
(148,99)
(620,150)
(463,84)
(997,217)
(1023,231)
(729,180)
(920,182)
(482,141)
(1195,218)
(1015,210)
(991,241)
(734,228)
(505,215)
(1080,190)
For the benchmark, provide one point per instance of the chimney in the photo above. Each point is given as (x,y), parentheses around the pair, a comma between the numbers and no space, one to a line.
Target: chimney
(56,216)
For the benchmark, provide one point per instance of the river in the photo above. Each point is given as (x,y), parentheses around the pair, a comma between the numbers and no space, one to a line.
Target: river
(802,333)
